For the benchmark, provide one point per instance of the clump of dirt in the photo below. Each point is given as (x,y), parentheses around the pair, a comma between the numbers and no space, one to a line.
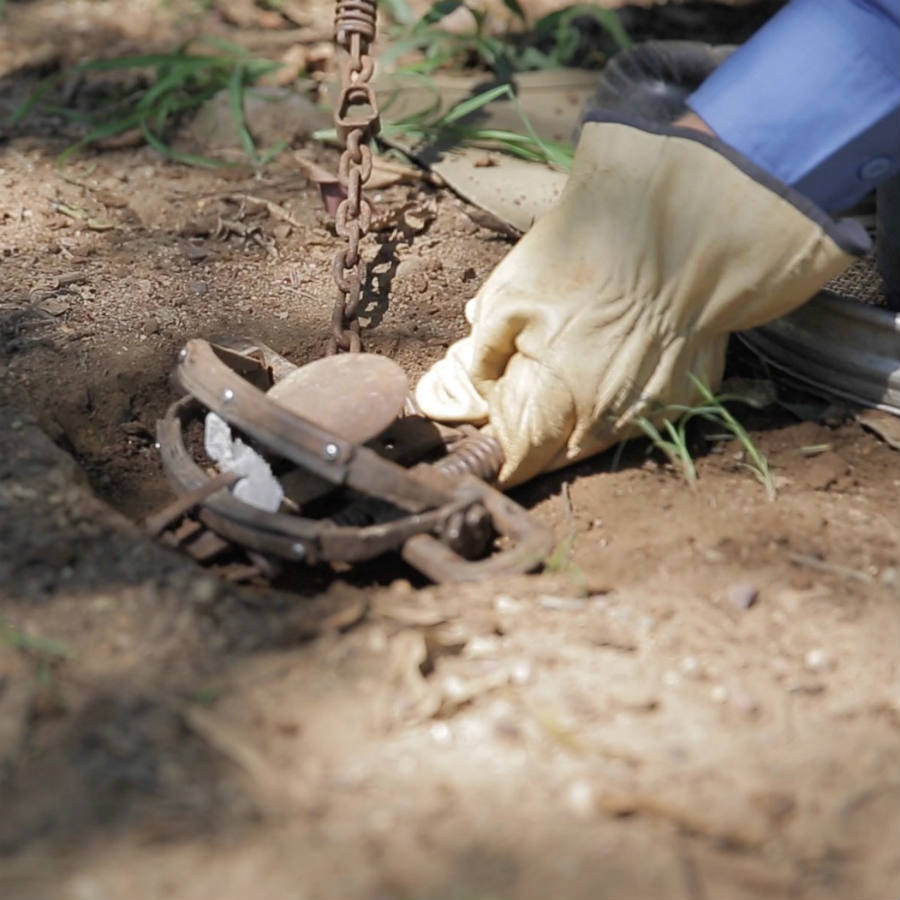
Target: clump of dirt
(699,700)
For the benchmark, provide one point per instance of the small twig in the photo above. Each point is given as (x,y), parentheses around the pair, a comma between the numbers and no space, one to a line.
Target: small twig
(158,522)
(231,744)
(813,562)
(275,210)
(566,497)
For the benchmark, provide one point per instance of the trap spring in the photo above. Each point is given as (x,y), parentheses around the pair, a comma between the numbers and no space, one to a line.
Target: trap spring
(442,522)
(356,121)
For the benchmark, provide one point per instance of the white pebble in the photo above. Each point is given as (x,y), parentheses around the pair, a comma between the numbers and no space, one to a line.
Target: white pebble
(455,689)
(690,665)
(718,693)
(481,646)
(580,799)
(505,603)
(573,604)
(817,660)
(440,733)
(521,672)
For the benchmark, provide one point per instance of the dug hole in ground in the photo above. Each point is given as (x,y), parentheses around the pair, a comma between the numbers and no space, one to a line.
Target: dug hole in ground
(699,701)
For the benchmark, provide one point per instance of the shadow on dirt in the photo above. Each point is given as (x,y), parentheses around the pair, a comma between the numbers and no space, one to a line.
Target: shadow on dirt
(124,760)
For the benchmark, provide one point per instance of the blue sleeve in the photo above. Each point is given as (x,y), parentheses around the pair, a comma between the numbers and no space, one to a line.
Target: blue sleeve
(814,98)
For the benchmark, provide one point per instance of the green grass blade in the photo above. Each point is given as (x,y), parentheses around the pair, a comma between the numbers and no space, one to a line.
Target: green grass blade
(174,80)
(759,463)
(25,107)
(439,10)
(149,61)
(402,47)
(473,104)
(236,103)
(107,130)
(399,10)
(191,159)
(515,8)
(268,155)
(39,646)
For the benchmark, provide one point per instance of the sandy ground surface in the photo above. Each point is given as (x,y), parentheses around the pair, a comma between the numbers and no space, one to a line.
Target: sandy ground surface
(701,703)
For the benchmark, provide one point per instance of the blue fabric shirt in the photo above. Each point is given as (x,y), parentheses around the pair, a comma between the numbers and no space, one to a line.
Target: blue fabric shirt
(814,98)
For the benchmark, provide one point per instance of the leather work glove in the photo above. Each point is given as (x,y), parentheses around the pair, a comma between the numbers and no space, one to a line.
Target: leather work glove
(662,243)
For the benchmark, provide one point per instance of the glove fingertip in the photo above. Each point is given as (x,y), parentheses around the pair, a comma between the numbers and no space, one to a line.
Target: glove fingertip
(446,393)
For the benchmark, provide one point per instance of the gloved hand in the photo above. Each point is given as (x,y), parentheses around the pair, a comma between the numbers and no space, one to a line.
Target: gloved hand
(659,247)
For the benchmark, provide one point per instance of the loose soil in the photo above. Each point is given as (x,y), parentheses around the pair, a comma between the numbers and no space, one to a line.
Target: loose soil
(700,702)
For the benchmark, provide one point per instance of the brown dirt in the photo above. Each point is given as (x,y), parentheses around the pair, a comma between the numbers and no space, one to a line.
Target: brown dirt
(702,702)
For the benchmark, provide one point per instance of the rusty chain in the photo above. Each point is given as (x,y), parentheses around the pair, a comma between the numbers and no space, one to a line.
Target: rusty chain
(356,120)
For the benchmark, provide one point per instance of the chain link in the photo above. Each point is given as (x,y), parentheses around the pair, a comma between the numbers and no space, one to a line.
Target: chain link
(356,120)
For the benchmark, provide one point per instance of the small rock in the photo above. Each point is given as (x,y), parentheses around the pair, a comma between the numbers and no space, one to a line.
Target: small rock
(718,693)
(505,603)
(198,288)
(195,254)
(636,697)
(400,587)
(204,590)
(469,274)
(817,660)
(579,798)
(572,604)
(455,689)
(440,733)
(482,646)
(744,702)
(883,424)
(521,672)
(411,265)
(271,115)
(691,667)
(55,306)
(151,326)
(742,594)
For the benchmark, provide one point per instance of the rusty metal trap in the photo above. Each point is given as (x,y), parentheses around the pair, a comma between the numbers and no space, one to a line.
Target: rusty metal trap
(324,463)
(329,462)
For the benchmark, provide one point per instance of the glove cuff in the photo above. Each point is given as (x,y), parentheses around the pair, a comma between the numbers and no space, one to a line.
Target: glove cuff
(847,234)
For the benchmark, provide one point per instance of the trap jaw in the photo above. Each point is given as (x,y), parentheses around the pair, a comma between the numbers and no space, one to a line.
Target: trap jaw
(340,457)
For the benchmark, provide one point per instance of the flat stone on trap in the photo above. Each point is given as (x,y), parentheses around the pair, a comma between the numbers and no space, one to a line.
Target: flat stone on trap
(355,396)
